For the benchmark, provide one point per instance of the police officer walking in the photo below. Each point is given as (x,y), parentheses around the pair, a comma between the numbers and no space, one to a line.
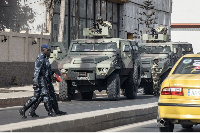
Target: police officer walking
(53,98)
(155,71)
(40,87)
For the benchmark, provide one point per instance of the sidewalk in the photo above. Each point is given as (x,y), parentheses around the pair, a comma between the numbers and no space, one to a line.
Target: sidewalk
(16,96)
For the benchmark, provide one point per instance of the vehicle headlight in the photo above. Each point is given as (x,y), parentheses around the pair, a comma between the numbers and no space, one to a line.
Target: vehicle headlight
(105,70)
(63,71)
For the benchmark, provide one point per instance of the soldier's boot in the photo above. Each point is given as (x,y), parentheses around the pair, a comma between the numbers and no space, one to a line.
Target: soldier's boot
(34,107)
(27,105)
(156,92)
(48,107)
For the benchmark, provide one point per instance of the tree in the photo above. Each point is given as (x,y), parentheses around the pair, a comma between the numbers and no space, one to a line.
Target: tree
(149,15)
(15,16)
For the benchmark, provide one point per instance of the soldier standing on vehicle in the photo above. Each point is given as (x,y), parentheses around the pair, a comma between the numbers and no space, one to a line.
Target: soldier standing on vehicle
(155,71)
(101,23)
(40,87)
(53,98)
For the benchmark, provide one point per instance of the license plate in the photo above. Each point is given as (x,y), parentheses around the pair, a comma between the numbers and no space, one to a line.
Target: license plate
(143,76)
(193,92)
(83,78)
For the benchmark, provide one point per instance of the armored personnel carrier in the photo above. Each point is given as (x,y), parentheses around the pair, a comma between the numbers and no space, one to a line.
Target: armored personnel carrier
(98,63)
(158,45)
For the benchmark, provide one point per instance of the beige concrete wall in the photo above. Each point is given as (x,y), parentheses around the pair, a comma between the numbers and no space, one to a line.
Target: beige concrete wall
(19,47)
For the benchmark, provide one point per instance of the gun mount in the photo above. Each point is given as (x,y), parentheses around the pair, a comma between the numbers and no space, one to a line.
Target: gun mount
(99,30)
(158,34)
(104,32)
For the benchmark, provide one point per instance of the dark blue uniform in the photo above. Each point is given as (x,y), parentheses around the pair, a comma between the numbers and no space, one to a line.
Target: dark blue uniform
(41,91)
(51,91)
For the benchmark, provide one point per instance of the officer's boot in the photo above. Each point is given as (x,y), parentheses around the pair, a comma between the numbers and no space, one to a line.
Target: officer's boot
(48,107)
(27,105)
(34,107)
(56,109)
(55,105)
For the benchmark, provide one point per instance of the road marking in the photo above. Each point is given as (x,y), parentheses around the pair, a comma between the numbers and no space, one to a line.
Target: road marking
(119,129)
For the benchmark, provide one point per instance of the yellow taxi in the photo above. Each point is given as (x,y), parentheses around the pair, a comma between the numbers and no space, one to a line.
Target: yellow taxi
(179,101)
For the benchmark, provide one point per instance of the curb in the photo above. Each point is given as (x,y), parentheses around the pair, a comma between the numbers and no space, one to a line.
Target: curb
(88,121)
(13,102)
(9,102)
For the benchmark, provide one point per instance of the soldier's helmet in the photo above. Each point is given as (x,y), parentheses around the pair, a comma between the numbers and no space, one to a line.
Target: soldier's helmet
(100,18)
(156,58)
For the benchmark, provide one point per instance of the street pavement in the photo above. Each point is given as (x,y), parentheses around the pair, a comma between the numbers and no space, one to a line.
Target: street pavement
(17,96)
(10,114)
(149,126)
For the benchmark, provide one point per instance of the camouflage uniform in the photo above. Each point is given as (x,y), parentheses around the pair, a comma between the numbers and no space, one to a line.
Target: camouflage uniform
(98,26)
(52,95)
(41,92)
(155,71)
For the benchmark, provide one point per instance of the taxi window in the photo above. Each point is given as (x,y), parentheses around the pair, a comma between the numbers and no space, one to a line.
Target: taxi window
(188,65)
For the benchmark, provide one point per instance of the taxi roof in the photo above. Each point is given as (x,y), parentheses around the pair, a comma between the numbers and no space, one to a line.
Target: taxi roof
(192,55)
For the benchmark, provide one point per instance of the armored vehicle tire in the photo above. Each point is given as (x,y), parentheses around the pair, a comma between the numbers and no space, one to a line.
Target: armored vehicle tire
(137,74)
(64,88)
(87,95)
(130,87)
(113,87)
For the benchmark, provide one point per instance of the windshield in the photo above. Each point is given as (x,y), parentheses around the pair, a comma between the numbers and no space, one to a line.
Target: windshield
(155,49)
(82,47)
(188,65)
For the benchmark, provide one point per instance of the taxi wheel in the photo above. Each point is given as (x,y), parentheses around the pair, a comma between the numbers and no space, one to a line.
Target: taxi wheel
(186,126)
(170,128)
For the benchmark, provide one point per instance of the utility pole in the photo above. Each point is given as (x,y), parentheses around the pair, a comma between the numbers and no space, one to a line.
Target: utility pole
(77,18)
(62,21)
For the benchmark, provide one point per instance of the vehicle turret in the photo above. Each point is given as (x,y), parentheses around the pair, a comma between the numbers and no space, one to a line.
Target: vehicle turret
(158,34)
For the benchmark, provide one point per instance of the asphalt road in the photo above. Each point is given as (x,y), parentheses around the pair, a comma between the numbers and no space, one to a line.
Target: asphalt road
(10,115)
(149,126)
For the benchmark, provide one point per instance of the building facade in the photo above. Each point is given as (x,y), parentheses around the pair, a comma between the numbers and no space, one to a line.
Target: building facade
(129,17)
(185,23)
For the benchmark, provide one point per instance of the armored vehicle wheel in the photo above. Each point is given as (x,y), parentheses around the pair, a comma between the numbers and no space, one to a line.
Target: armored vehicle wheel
(136,74)
(130,87)
(87,95)
(64,88)
(113,87)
